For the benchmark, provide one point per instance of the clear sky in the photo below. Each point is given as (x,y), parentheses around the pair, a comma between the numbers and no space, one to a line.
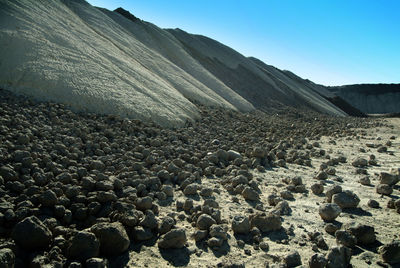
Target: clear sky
(331,42)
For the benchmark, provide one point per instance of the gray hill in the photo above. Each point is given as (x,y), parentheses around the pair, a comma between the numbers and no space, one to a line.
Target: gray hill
(111,62)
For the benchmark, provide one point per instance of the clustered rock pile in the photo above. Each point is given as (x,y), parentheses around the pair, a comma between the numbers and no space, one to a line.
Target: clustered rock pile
(76,189)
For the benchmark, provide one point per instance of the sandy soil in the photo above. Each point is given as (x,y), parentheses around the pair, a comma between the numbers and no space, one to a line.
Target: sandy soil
(304,218)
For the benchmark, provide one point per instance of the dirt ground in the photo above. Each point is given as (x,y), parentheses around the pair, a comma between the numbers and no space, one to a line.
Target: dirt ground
(304,218)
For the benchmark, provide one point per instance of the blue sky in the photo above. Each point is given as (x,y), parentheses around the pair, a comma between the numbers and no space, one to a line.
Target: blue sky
(331,42)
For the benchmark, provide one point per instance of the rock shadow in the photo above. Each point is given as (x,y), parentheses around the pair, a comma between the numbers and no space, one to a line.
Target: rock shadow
(356,211)
(176,257)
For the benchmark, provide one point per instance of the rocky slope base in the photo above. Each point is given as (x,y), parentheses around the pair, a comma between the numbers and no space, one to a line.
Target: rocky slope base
(228,190)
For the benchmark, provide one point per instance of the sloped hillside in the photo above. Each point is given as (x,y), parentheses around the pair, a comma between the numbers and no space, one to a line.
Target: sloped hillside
(371,98)
(108,62)
(261,84)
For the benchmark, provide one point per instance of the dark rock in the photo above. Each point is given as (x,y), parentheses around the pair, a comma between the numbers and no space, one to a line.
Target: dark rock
(205,221)
(293,259)
(84,245)
(329,211)
(365,234)
(346,199)
(240,225)
(7,258)
(345,238)
(112,236)
(173,239)
(338,257)
(390,253)
(39,235)
(384,189)
(266,223)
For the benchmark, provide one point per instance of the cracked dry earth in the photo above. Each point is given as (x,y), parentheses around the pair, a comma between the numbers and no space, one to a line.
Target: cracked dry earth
(230,190)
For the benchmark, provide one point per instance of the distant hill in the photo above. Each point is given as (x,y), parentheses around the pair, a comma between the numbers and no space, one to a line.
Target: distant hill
(371,98)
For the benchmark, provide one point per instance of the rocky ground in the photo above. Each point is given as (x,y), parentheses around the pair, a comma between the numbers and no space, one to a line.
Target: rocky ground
(231,190)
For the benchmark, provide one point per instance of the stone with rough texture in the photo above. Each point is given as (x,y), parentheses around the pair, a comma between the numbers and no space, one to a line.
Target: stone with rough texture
(338,257)
(346,199)
(390,253)
(365,234)
(84,245)
(7,258)
(317,261)
(384,189)
(31,234)
(293,259)
(112,236)
(240,225)
(205,221)
(329,211)
(250,194)
(266,223)
(173,239)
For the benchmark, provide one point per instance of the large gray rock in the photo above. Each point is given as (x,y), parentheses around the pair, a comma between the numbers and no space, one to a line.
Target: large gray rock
(31,234)
(266,223)
(345,238)
(390,253)
(346,199)
(293,259)
(84,245)
(112,236)
(360,162)
(329,211)
(317,261)
(173,239)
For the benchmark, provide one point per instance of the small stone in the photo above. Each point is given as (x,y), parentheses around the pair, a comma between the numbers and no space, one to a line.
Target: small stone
(240,225)
(329,211)
(205,221)
(390,253)
(7,258)
(331,228)
(266,223)
(338,257)
(360,162)
(384,189)
(84,245)
(317,188)
(264,246)
(97,263)
(346,199)
(345,238)
(168,190)
(199,235)
(173,239)
(112,236)
(166,224)
(191,189)
(287,195)
(215,242)
(387,178)
(317,261)
(331,191)
(365,181)
(373,203)
(293,259)
(144,203)
(218,231)
(364,234)
(322,175)
(142,234)
(250,194)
